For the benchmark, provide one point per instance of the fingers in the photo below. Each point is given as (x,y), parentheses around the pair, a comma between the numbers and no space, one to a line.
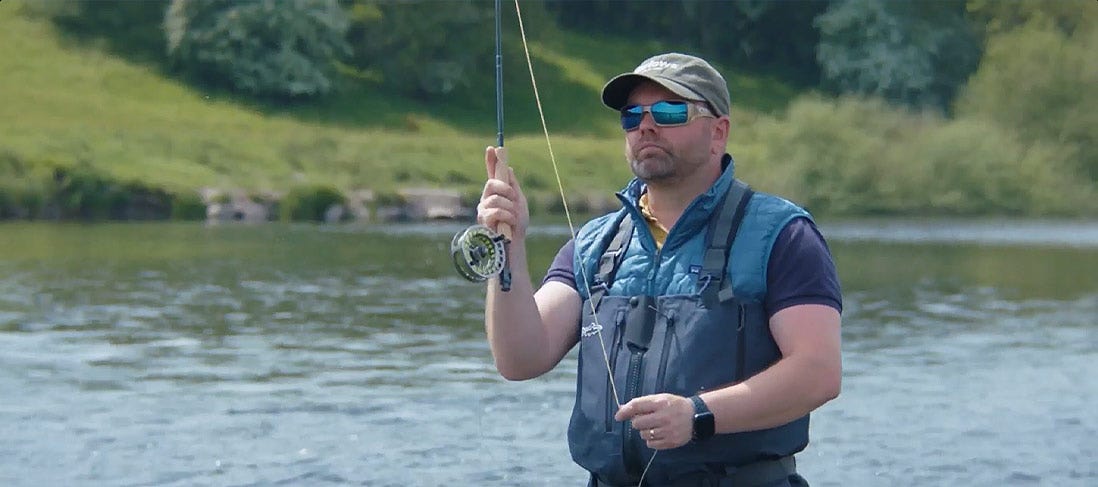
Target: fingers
(663,420)
(502,205)
(658,440)
(495,209)
(497,204)
(642,405)
(490,161)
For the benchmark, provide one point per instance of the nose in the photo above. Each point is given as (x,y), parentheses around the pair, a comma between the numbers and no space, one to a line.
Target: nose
(647,122)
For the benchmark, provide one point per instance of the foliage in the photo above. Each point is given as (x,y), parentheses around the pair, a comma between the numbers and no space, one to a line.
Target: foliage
(758,34)
(65,105)
(997,16)
(423,48)
(130,28)
(261,47)
(1032,80)
(84,193)
(187,205)
(309,203)
(861,156)
(918,53)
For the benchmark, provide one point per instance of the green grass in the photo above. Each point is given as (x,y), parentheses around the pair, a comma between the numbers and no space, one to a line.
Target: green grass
(75,102)
(68,101)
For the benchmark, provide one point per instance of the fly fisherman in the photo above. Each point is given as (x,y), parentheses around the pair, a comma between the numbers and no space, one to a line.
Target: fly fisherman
(707,314)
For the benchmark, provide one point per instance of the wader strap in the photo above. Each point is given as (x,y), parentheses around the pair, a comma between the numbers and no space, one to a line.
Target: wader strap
(611,258)
(719,238)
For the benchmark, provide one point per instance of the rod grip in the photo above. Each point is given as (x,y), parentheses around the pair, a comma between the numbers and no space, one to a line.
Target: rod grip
(502,171)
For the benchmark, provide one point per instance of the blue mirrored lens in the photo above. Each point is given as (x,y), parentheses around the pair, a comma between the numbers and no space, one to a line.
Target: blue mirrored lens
(663,113)
(670,112)
(631,117)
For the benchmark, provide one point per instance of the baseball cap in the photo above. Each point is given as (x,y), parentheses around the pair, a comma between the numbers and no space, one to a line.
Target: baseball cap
(688,76)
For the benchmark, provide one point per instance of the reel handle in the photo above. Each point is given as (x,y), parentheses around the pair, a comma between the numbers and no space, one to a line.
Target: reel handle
(501,173)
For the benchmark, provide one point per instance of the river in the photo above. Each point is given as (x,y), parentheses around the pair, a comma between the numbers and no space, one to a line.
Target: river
(177,354)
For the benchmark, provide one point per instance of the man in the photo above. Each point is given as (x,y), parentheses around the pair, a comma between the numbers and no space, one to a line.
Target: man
(708,315)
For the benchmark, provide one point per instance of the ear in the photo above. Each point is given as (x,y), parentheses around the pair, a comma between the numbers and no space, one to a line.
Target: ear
(719,142)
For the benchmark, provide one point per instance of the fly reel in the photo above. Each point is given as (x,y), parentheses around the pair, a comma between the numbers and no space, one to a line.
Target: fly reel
(479,253)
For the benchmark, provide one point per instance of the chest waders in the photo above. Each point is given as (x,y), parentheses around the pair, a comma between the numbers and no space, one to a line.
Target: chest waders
(682,344)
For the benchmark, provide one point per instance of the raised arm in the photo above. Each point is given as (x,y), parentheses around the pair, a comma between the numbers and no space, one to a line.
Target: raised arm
(529,332)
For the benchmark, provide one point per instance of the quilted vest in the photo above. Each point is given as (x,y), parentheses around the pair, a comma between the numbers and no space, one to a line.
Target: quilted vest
(682,319)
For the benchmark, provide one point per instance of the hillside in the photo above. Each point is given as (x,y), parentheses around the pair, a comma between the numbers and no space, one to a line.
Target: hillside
(70,102)
(91,129)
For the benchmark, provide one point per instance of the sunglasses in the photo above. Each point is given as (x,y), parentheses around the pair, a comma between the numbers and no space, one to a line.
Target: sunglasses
(665,113)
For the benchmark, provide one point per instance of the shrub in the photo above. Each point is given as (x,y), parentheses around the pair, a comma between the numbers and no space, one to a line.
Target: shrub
(261,47)
(309,203)
(187,206)
(1034,80)
(425,49)
(918,53)
(861,156)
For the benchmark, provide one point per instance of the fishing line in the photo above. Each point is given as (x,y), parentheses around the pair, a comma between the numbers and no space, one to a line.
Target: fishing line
(568,217)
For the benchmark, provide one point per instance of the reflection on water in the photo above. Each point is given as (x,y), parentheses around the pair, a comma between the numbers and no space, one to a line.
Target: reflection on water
(303,355)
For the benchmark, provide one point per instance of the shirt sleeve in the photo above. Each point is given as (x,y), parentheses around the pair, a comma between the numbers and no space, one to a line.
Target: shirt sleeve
(562,269)
(801,270)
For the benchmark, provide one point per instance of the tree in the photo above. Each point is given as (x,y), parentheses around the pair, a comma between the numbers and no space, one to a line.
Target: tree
(918,52)
(261,47)
(130,29)
(423,48)
(759,34)
(1036,79)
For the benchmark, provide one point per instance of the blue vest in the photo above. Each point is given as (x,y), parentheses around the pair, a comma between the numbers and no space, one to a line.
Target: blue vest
(682,319)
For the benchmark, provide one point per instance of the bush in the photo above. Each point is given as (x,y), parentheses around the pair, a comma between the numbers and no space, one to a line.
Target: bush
(127,27)
(425,49)
(309,203)
(83,193)
(261,47)
(918,53)
(187,206)
(1034,80)
(860,156)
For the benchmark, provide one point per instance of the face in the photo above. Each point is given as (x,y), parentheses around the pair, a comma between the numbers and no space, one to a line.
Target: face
(665,155)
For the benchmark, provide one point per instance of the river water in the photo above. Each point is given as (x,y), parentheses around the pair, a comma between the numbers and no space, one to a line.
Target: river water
(183,354)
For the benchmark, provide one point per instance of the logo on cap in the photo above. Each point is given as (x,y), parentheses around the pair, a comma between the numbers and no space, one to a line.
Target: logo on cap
(656,65)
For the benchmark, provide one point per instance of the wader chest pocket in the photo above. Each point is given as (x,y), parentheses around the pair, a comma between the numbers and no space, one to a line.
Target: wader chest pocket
(640,322)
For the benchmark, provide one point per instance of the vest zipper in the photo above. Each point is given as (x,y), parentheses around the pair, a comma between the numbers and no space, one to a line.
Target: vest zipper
(612,399)
(668,335)
(631,437)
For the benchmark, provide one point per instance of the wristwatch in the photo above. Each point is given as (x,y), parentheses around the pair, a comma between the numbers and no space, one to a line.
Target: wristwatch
(704,425)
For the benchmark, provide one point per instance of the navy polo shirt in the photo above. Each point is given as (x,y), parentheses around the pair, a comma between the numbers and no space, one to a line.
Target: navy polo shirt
(800,271)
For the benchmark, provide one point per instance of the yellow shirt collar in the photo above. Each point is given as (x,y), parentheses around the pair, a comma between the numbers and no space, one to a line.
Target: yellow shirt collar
(658,232)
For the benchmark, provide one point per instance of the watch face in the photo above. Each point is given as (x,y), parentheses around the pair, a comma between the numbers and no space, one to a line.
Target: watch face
(703,426)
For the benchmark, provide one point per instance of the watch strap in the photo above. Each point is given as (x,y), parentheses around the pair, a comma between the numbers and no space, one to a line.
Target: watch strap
(704,423)
(699,405)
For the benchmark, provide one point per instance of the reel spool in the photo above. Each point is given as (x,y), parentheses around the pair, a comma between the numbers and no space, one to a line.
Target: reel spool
(478,253)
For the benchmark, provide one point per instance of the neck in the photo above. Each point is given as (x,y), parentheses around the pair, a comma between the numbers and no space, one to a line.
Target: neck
(667,200)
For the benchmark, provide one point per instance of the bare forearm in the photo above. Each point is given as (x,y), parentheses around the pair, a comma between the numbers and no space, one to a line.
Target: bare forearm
(786,391)
(516,333)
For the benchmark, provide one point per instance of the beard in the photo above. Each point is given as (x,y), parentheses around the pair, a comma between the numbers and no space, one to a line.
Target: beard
(660,162)
(653,168)
(656,161)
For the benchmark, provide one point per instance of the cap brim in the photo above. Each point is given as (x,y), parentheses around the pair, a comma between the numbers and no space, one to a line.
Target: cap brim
(617,90)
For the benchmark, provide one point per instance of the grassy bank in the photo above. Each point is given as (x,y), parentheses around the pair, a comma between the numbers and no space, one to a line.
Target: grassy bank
(71,107)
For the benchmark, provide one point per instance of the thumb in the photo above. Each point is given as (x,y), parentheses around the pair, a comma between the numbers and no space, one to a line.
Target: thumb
(625,412)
